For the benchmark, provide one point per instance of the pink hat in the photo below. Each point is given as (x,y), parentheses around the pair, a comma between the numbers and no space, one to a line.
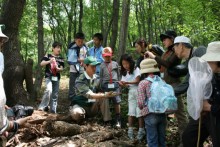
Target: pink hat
(107,51)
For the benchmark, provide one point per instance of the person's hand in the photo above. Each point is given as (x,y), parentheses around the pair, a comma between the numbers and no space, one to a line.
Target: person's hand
(122,83)
(111,94)
(150,54)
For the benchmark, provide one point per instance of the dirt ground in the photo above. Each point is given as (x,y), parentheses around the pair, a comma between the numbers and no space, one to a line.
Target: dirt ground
(97,134)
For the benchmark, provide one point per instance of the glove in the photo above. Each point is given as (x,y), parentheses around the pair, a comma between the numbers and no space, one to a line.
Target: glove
(215,109)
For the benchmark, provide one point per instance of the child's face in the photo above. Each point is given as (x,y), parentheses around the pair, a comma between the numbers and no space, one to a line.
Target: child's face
(126,65)
(97,42)
(107,58)
(79,42)
(57,50)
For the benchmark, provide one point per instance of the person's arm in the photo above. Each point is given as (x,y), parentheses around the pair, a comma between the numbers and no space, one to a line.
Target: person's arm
(45,60)
(182,87)
(136,81)
(141,95)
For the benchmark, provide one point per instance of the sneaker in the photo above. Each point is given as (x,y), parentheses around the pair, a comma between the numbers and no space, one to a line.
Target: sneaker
(140,135)
(130,134)
(118,123)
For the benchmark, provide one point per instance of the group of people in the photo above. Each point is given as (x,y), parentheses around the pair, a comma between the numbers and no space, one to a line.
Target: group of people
(96,80)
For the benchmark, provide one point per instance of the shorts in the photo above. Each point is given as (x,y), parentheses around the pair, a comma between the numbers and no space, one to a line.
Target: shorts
(116,99)
(133,109)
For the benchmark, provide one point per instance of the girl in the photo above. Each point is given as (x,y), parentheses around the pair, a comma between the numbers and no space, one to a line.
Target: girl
(155,123)
(131,78)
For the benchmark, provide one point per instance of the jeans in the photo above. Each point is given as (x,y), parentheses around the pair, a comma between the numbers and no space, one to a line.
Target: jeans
(72,80)
(155,125)
(50,95)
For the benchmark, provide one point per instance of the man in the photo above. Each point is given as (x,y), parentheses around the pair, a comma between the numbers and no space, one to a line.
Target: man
(96,50)
(76,54)
(168,61)
(88,100)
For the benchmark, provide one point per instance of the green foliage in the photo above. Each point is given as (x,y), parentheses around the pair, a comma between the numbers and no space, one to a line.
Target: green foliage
(197,19)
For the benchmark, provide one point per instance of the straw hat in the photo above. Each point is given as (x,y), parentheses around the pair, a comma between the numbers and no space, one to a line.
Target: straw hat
(149,66)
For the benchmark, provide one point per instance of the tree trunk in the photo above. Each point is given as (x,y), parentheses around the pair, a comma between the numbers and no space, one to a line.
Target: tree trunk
(39,75)
(29,77)
(14,64)
(80,15)
(124,27)
(115,16)
(149,21)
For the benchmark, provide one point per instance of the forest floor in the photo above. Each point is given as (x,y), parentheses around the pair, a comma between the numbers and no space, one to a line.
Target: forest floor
(96,134)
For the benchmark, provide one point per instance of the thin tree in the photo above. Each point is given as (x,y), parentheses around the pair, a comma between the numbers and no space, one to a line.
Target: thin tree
(124,27)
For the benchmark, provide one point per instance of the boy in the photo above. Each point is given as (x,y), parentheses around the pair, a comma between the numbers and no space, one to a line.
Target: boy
(54,65)
(76,54)
(109,77)
(96,50)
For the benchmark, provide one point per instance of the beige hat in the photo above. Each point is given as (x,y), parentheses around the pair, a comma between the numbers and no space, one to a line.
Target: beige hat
(149,66)
(3,35)
(213,52)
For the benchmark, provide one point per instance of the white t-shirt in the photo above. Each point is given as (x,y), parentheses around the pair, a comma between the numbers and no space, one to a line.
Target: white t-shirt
(1,63)
(131,77)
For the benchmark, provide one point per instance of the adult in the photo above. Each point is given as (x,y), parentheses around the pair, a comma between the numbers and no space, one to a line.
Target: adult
(168,60)
(5,124)
(142,46)
(96,50)
(210,119)
(76,53)
(88,99)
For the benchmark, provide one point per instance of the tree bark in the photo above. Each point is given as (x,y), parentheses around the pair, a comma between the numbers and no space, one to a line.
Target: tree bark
(80,15)
(14,64)
(39,75)
(124,27)
(115,17)
(29,77)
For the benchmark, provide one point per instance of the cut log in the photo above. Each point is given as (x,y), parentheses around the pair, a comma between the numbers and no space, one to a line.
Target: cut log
(61,128)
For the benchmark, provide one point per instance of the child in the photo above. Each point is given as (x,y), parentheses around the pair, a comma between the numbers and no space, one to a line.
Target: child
(54,65)
(109,77)
(131,78)
(155,123)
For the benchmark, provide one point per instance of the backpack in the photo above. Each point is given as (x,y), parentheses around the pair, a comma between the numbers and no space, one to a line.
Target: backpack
(162,98)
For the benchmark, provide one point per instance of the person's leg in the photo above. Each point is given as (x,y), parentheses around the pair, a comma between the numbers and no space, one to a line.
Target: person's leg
(181,116)
(214,126)
(105,110)
(162,130)
(130,127)
(190,134)
(151,127)
(47,95)
(54,97)
(72,80)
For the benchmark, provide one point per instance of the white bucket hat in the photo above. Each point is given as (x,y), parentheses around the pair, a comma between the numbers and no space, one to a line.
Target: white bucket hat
(3,35)
(213,52)
(149,66)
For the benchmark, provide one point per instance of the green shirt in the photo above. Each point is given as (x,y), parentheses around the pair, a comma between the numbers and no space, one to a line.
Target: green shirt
(85,85)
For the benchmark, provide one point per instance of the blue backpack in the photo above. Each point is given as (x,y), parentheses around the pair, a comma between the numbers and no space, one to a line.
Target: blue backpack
(162,98)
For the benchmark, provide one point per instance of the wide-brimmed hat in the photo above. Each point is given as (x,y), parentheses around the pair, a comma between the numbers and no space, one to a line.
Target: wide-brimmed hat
(3,35)
(107,51)
(168,34)
(91,61)
(212,52)
(149,66)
